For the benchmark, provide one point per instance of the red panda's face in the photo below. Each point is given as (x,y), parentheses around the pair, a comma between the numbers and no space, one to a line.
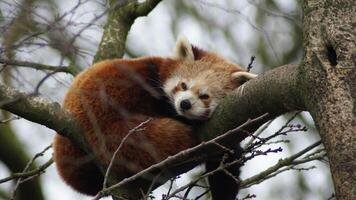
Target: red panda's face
(200,81)
(195,89)
(191,99)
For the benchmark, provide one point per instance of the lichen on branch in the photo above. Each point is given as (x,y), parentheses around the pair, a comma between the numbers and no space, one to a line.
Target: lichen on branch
(121,16)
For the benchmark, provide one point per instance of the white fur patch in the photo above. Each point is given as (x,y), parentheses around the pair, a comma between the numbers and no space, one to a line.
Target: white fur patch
(169,85)
(183,95)
(198,109)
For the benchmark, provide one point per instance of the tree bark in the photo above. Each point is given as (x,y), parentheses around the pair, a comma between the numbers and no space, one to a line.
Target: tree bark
(121,16)
(327,79)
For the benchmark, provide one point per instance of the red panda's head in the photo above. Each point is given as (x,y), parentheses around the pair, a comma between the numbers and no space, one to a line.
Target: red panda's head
(201,80)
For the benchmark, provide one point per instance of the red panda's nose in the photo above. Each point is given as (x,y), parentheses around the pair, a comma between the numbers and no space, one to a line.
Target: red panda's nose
(185,105)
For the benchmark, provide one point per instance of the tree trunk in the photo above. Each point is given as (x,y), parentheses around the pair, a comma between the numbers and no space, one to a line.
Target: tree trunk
(327,78)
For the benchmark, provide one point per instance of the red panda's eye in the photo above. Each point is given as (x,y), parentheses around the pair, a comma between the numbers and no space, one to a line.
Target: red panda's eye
(183,86)
(204,96)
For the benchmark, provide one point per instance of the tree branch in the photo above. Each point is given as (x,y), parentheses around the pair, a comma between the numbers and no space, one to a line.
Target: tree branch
(38,110)
(122,15)
(275,92)
(281,163)
(67,69)
(39,170)
(10,146)
(23,179)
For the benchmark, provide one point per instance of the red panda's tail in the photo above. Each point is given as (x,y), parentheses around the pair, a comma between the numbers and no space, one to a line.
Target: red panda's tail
(155,141)
(76,169)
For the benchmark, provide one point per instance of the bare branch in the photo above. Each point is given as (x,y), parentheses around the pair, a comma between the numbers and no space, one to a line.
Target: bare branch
(40,111)
(66,69)
(248,196)
(23,175)
(27,167)
(36,92)
(223,167)
(249,66)
(114,157)
(170,187)
(4,121)
(281,163)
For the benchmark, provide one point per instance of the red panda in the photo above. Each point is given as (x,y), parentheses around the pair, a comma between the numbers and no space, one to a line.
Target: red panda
(114,96)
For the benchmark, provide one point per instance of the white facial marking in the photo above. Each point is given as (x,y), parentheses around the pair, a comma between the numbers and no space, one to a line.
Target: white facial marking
(183,95)
(198,109)
(169,85)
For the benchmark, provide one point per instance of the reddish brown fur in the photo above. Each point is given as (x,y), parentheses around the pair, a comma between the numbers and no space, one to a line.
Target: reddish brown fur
(108,100)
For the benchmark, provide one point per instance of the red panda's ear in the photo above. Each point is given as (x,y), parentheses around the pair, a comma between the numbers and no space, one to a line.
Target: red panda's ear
(200,53)
(184,50)
(242,77)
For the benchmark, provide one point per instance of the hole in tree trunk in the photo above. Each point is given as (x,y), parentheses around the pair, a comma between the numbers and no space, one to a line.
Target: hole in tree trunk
(331,55)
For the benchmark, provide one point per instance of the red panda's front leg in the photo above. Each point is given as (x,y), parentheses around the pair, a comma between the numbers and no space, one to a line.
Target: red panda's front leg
(224,184)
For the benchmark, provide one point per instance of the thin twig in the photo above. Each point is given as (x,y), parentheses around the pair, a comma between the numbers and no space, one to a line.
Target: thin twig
(188,191)
(222,167)
(170,187)
(281,163)
(38,170)
(4,121)
(28,165)
(39,66)
(281,131)
(249,67)
(248,196)
(223,147)
(259,132)
(37,88)
(151,185)
(118,149)
(202,194)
